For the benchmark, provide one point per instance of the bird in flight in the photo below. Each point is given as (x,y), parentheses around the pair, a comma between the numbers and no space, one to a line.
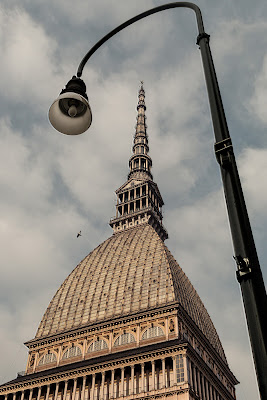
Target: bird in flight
(79,234)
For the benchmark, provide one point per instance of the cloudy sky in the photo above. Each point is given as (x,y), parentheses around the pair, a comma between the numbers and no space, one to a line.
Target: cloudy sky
(53,186)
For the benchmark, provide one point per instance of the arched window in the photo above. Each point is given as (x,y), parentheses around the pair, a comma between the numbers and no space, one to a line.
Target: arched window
(73,351)
(98,345)
(125,338)
(47,359)
(152,332)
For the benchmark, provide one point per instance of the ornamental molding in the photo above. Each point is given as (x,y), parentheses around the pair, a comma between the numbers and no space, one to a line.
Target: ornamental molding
(101,367)
(118,322)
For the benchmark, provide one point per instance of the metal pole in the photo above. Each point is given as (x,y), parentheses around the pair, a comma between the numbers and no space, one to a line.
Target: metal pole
(248,268)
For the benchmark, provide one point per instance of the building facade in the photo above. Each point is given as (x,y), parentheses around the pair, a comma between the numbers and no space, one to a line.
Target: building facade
(127,322)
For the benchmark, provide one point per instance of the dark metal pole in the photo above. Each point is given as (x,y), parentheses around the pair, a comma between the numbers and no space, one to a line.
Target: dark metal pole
(248,268)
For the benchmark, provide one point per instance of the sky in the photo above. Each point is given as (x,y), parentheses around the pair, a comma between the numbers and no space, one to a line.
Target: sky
(53,185)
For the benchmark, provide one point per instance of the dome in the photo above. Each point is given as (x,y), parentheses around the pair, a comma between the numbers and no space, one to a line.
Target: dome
(132,271)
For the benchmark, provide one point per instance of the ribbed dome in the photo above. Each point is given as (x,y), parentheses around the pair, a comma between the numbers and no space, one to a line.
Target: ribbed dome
(129,272)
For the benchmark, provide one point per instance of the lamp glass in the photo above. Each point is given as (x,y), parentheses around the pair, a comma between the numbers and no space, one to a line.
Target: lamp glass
(63,122)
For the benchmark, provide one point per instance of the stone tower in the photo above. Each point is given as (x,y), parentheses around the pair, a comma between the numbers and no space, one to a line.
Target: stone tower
(127,322)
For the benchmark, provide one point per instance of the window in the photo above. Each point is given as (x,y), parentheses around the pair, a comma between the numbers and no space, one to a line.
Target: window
(47,359)
(73,351)
(180,368)
(152,332)
(98,345)
(125,338)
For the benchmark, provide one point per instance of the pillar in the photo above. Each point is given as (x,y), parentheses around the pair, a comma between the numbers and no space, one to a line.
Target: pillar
(153,375)
(83,388)
(65,390)
(112,384)
(102,386)
(47,392)
(163,373)
(132,380)
(142,377)
(74,389)
(30,396)
(14,396)
(174,370)
(22,395)
(93,387)
(56,391)
(122,382)
(39,393)
(185,361)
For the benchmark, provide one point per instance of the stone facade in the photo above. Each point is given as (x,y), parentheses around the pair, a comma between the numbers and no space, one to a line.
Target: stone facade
(127,322)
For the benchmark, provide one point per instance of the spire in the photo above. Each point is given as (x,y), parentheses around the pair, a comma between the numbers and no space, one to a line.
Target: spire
(140,163)
(139,200)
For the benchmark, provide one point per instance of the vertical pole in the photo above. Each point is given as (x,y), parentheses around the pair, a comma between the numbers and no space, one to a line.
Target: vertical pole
(248,268)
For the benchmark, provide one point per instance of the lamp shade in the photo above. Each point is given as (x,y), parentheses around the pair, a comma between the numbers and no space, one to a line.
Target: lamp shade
(70,114)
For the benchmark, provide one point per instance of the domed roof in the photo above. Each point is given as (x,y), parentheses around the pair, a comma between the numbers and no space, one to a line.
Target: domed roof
(130,272)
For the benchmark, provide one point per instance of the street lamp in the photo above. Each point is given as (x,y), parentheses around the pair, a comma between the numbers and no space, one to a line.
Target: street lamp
(71,114)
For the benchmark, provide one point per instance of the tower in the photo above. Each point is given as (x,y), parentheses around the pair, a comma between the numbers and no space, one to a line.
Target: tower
(127,322)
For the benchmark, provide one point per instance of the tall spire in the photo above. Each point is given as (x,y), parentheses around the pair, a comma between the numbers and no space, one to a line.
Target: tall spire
(140,163)
(139,200)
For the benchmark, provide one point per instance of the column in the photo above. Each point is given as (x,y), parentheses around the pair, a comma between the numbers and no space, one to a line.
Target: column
(39,393)
(83,388)
(174,370)
(47,392)
(56,392)
(65,390)
(195,378)
(14,396)
(122,382)
(93,387)
(22,395)
(30,396)
(112,384)
(207,389)
(185,368)
(102,386)
(153,375)
(74,389)
(142,377)
(163,373)
(132,380)
(199,383)
(5,396)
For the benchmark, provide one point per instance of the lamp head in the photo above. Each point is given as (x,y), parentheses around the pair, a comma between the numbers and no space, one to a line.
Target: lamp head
(71,113)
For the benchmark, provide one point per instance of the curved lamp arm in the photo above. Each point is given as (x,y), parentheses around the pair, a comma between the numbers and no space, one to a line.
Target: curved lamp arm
(183,4)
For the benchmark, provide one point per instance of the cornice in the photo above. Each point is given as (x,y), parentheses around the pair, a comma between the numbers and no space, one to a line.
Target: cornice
(97,364)
(115,322)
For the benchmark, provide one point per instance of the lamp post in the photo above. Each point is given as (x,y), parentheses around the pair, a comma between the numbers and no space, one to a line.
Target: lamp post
(71,114)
